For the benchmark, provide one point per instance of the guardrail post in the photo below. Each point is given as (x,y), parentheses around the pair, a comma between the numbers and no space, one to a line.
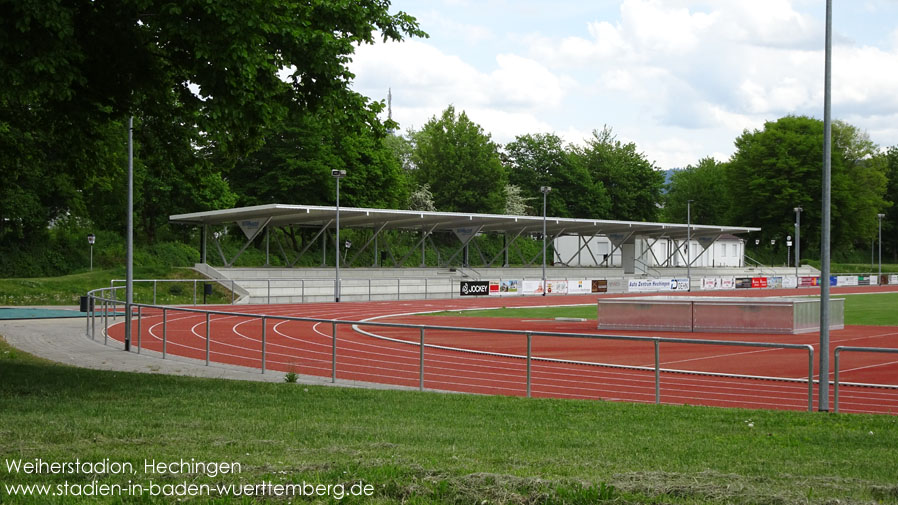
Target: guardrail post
(398,289)
(302,295)
(334,352)
(164,328)
(87,318)
(836,382)
(369,290)
(657,371)
(269,293)
(232,292)
(810,378)
(425,288)
(208,323)
(194,291)
(263,343)
(105,321)
(421,362)
(93,317)
(529,355)
(139,313)
(154,291)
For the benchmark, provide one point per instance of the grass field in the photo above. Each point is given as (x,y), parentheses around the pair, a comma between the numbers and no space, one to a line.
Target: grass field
(419,448)
(67,289)
(865,309)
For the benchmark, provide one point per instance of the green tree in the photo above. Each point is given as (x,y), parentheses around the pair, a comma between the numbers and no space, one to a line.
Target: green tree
(73,70)
(632,183)
(543,160)
(780,167)
(457,159)
(704,184)
(889,159)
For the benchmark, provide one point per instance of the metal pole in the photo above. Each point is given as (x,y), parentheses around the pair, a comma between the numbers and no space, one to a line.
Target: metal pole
(154,291)
(797,243)
(194,291)
(334,352)
(139,316)
(269,290)
(129,265)
(657,372)
(880,216)
(164,331)
(263,343)
(421,362)
(689,244)
(91,257)
(810,378)
(105,321)
(823,394)
(545,191)
(208,324)
(529,358)
(836,382)
(337,249)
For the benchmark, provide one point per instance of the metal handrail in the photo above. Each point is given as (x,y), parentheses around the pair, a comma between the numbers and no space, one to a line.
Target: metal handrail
(527,334)
(848,348)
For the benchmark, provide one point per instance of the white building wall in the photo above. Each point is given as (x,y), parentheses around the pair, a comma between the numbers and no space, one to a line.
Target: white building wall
(725,252)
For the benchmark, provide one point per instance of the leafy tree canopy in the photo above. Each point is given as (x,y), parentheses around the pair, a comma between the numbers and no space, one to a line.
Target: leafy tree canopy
(543,160)
(704,184)
(631,181)
(780,167)
(461,165)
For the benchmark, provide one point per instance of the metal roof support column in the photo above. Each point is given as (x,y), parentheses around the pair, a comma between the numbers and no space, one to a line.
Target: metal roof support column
(704,246)
(224,261)
(435,248)
(505,249)
(203,244)
(249,241)
(582,245)
(554,253)
(419,243)
(312,241)
(616,245)
(464,245)
(372,239)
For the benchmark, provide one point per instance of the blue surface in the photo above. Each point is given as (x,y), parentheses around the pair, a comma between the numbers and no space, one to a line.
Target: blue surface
(33,313)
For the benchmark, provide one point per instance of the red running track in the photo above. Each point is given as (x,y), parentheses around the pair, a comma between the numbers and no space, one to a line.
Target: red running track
(561,367)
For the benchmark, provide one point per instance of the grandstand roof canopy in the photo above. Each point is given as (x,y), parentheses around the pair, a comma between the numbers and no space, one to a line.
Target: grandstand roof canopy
(350,217)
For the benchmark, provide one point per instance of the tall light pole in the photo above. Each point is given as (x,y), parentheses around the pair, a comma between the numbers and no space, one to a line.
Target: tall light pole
(880,216)
(826,201)
(545,191)
(797,242)
(91,238)
(337,174)
(688,243)
(129,261)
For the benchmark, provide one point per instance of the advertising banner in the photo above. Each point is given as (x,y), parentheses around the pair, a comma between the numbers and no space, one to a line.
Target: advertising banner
(556,287)
(710,283)
(863,280)
(846,280)
(579,287)
(809,282)
(509,287)
(474,288)
(727,283)
(775,282)
(790,281)
(759,282)
(893,279)
(532,287)
(494,288)
(599,286)
(655,285)
(743,282)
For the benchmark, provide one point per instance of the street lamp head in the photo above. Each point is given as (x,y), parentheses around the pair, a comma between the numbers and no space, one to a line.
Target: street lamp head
(339,174)
(798,209)
(545,189)
(880,216)
(91,238)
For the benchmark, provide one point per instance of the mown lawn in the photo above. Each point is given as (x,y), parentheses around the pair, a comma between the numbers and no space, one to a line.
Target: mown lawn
(879,309)
(431,448)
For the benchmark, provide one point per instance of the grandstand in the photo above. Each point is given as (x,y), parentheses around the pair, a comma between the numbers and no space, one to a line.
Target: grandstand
(615,252)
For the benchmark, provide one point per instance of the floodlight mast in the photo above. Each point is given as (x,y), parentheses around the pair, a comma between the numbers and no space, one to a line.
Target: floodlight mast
(797,243)
(823,384)
(337,174)
(688,244)
(880,216)
(545,191)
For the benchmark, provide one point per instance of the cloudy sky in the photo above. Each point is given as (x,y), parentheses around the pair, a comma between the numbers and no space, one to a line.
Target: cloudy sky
(680,78)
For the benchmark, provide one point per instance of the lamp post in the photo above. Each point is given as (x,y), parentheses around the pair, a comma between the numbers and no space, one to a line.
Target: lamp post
(688,243)
(788,249)
(880,216)
(545,191)
(797,241)
(91,238)
(337,174)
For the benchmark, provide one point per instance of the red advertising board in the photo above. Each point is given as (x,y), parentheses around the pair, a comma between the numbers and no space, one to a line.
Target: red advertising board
(759,282)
